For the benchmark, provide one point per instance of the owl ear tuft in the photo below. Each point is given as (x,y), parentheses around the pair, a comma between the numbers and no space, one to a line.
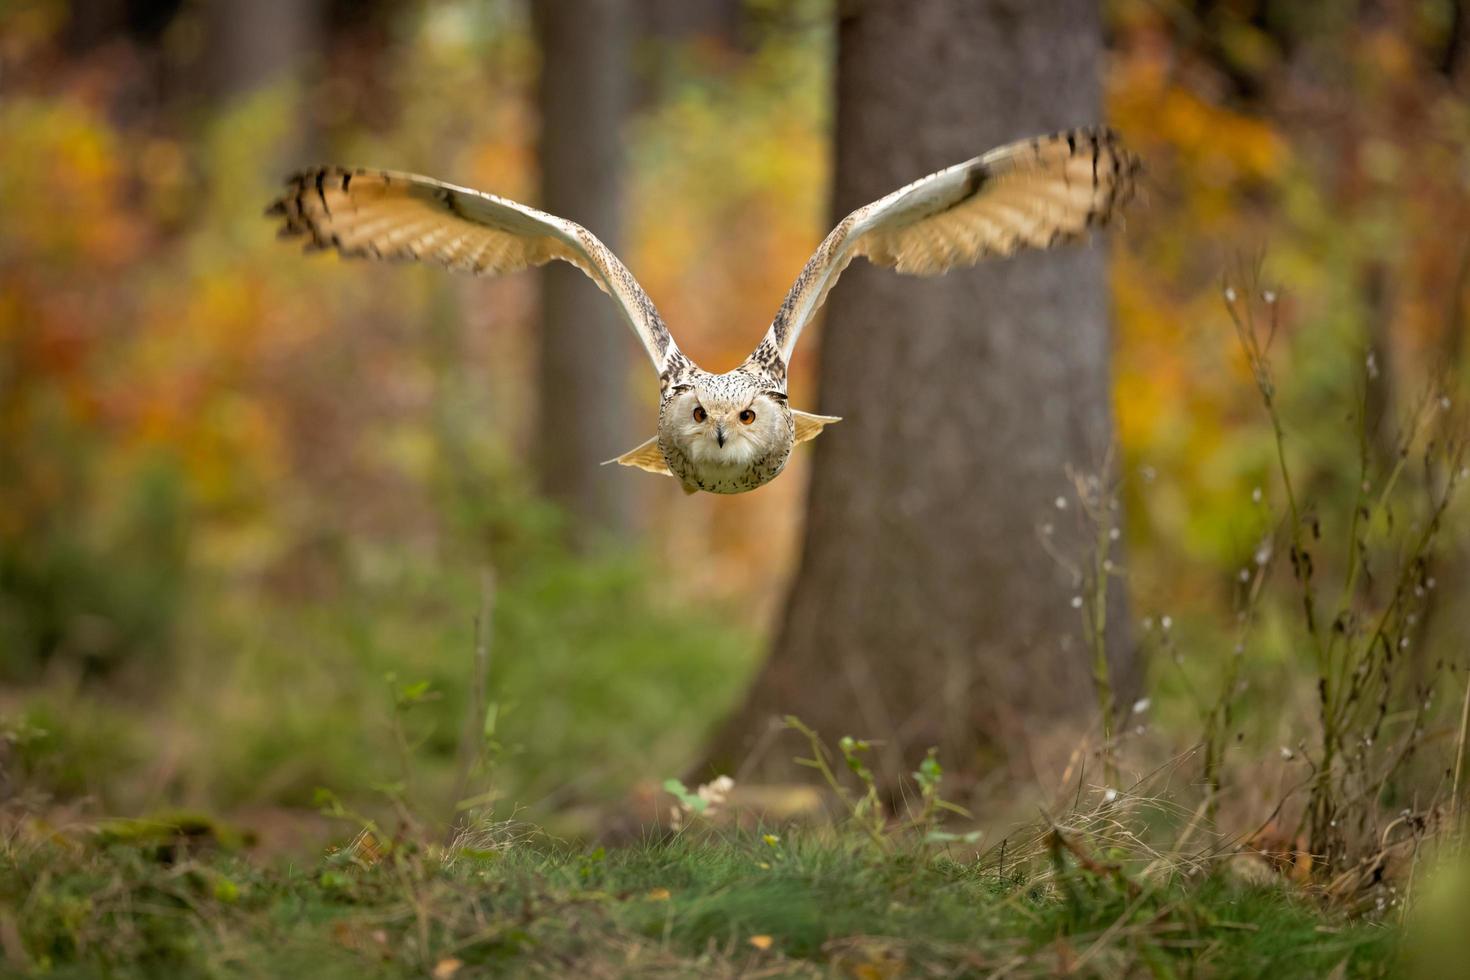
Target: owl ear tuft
(646,457)
(809,426)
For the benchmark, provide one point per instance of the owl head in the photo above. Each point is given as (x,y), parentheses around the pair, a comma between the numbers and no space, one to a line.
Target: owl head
(728,421)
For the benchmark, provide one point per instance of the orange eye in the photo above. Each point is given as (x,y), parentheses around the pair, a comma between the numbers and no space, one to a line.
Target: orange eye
(747,417)
(699,413)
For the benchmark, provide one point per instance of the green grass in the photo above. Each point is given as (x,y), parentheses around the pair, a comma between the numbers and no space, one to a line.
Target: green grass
(268,699)
(143,901)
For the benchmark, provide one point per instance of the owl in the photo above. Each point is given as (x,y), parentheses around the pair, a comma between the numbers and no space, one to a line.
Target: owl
(731,432)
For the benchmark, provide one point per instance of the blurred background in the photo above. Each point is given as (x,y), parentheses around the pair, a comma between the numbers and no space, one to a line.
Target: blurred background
(248,500)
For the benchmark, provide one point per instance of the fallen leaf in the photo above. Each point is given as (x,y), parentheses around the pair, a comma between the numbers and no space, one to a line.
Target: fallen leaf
(658,895)
(761,942)
(365,848)
(447,967)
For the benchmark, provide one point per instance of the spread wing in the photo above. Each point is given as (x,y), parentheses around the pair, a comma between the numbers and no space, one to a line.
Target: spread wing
(397,216)
(1032,194)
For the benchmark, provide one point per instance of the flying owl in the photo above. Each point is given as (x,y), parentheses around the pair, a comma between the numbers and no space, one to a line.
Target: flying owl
(731,432)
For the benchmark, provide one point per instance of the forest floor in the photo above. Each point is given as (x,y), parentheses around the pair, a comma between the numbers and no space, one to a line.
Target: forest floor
(184,899)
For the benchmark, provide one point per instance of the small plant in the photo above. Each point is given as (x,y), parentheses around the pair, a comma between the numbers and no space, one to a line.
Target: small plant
(1096,495)
(704,802)
(866,809)
(928,777)
(1372,711)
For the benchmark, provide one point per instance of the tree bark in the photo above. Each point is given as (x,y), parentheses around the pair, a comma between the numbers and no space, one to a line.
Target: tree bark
(259,49)
(684,20)
(253,43)
(925,611)
(585,415)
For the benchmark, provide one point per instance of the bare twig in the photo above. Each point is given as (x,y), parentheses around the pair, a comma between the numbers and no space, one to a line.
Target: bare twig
(472,738)
(1457,801)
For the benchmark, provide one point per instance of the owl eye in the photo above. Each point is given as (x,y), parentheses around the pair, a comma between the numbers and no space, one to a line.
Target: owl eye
(699,413)
(747,416)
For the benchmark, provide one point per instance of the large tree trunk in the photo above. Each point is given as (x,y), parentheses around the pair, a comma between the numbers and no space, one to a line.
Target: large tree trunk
(685,20)
(925,611)
(253,43)
(585,416)
(264,47)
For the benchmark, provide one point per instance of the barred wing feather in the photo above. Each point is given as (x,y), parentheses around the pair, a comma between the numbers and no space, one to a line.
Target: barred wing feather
(1032,194)
(403,217)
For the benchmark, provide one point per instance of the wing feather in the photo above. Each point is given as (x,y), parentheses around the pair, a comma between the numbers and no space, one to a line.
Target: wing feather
(1032,194)
(394,216)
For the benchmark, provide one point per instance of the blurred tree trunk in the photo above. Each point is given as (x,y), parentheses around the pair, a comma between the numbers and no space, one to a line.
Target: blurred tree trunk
(1455,62)
(685,20)
(925,611)
(252,43)
(585,415)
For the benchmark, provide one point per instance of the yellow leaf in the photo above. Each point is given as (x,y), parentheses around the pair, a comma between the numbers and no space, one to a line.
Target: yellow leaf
(658,895)
(447,967)
(761,942)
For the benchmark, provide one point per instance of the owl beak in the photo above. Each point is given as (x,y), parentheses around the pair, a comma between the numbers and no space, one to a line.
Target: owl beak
(720,435)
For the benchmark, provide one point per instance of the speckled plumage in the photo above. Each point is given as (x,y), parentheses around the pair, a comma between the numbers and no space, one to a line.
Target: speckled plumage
(732,432)
(744,389)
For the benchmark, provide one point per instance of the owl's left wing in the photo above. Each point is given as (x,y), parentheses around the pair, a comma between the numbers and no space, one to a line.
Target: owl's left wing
(1032,194)
(383,214)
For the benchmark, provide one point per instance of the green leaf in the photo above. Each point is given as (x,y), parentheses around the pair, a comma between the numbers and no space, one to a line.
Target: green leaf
(413,693)
(691,801)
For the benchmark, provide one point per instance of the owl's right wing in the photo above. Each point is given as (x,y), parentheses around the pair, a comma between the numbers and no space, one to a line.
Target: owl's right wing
(1031,194)
(396,216)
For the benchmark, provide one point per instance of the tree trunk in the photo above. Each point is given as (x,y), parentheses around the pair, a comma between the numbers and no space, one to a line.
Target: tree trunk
(253,43)
(585,416)
(256,48)
(684,20)
(925,611)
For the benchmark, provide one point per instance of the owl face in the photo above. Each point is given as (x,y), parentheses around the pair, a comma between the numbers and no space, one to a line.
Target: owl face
(725,427)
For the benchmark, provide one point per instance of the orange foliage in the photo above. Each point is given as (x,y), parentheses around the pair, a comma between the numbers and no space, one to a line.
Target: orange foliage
(144,306)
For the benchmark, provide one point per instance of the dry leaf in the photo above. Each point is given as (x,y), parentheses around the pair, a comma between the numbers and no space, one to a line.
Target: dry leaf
(447,967)
(658,895)
(761,942)
(365,848)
